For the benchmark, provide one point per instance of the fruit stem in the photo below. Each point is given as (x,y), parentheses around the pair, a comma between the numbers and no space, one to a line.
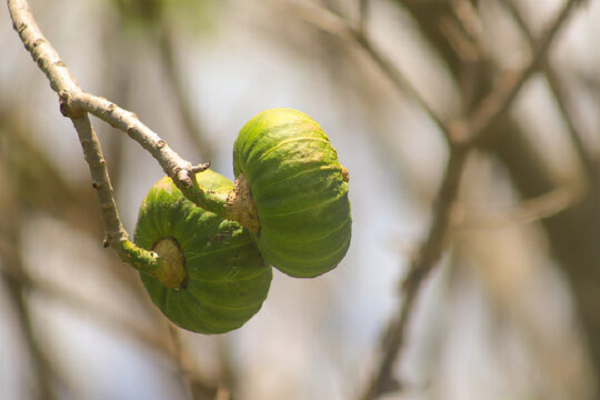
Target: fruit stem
(236,204)
(159,266)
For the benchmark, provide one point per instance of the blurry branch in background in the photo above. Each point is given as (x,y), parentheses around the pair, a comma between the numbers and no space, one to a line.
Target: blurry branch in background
(152,17)
(29,180)
(561,95)
(16,278)
(462,136)
(169,58)
(20,283)
(339,26)
(527,211)
(185,368)
(470,133)
(363,14)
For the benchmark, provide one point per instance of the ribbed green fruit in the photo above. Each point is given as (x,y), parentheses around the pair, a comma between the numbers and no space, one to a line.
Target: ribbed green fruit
(300,190)
(227,278)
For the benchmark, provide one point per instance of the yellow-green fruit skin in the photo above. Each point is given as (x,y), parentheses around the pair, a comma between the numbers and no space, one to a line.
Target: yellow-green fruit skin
(300,191)
(227,278)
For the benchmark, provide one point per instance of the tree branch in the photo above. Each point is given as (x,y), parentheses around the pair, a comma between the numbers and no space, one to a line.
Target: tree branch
(66,86)
(76,104)
(500,99)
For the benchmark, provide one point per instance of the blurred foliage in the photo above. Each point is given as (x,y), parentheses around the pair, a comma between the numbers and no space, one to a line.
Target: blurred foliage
(194,16)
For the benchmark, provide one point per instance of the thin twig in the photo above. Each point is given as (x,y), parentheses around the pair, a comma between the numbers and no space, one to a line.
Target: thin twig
(500,99)
(126,121)
(63,82)
(76,104)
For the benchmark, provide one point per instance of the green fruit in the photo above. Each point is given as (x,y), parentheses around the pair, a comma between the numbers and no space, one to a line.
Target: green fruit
(226,278)
(300,190)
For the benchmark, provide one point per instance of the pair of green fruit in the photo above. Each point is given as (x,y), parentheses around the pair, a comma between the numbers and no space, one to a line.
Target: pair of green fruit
(299,191)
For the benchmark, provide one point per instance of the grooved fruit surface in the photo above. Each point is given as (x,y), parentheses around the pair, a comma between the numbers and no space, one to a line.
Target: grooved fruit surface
(299,189)
(227,278)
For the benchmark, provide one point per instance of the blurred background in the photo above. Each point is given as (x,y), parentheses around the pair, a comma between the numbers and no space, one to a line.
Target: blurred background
(512,309)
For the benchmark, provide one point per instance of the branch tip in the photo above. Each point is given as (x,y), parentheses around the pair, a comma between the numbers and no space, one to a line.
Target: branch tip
(200,167)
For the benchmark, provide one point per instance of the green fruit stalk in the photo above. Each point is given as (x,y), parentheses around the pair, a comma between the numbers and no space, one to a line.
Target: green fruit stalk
(224,277)
(300,191)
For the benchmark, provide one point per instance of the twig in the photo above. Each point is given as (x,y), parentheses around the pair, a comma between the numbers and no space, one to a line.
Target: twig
(78,101)
(75,104)
(63,83)
(498,101)
(182,172)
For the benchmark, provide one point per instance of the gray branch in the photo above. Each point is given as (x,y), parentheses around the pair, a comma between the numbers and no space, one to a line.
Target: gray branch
(76,104)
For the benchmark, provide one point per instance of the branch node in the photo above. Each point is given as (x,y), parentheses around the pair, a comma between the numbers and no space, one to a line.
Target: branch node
(106,240)
(21,27)
(67,109)
(183,176)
